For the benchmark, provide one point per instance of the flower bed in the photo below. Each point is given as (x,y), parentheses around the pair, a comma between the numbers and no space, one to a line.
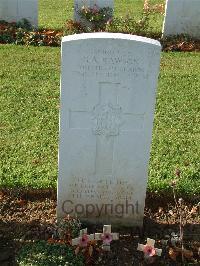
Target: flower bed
(14,33)
(21,34)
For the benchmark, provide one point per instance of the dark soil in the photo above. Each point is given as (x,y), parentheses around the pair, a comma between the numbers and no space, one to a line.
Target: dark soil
(26,216)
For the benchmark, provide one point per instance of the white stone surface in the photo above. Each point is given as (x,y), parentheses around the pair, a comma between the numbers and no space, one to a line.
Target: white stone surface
(182,17)
(78,4)
(15,10)
(108,91)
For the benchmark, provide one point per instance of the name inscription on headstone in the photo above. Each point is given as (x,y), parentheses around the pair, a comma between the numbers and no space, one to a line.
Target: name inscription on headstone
(106,63)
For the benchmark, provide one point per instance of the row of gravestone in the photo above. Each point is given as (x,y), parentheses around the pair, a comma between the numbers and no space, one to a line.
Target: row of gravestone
(181,16)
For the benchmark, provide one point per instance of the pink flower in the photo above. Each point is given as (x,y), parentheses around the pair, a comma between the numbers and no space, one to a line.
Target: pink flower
(149,251)
(84,240)
(107,238)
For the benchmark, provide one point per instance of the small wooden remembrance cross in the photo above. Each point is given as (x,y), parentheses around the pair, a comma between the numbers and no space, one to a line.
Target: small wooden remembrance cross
(106,237)
(83,238)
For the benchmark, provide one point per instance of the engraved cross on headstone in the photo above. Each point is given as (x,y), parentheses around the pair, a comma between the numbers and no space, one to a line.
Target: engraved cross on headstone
(107,120)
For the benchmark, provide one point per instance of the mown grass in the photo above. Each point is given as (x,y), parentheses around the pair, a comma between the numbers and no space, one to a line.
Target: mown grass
(29,111)
(29,102)
(176,137)
(53,14)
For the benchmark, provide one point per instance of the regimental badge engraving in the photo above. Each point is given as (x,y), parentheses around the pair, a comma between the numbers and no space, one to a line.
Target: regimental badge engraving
(107,119)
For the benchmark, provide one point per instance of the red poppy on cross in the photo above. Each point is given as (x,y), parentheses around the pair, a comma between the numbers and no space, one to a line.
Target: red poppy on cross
(149,250)
(107,237)
(83,238)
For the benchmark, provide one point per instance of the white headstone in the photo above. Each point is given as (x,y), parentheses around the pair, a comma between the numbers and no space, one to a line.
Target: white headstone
(78,4)
(182,17)
(108,91)
(15,10)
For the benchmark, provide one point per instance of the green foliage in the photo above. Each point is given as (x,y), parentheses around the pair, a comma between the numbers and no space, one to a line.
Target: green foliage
(68,226)
(42,253)
(24,24)
(130,25)
(95,18)
(73,27)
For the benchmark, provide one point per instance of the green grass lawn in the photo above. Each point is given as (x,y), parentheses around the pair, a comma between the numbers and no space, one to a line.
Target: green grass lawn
(54,13)
(29,103)
(176,138)
(29,112)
